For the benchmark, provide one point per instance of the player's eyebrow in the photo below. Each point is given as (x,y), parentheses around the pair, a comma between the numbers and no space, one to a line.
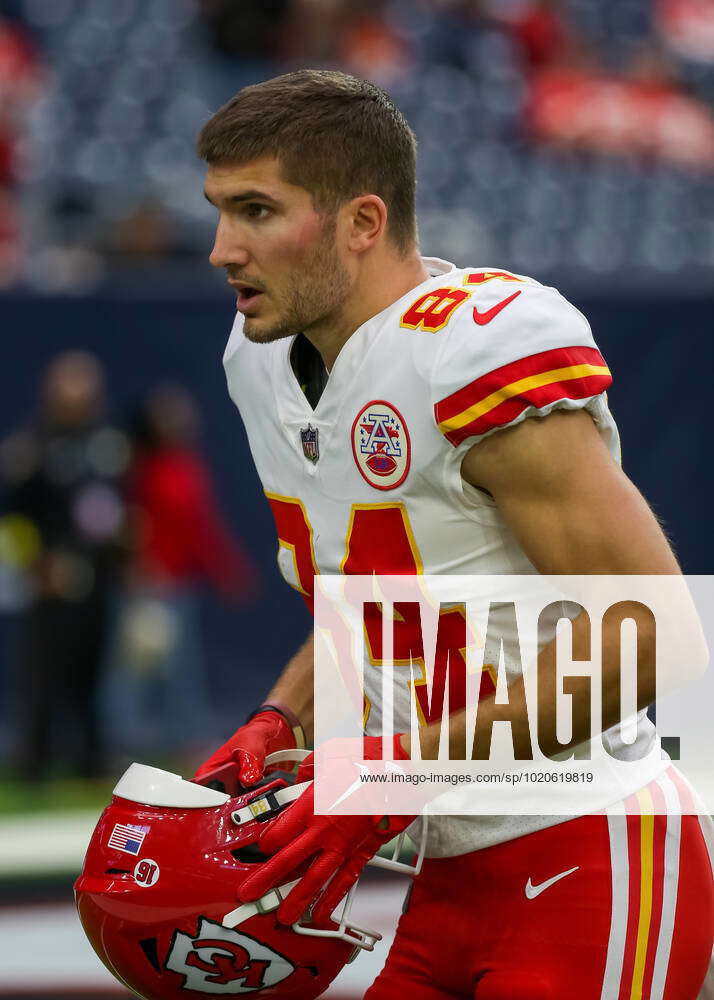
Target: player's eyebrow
(237,199)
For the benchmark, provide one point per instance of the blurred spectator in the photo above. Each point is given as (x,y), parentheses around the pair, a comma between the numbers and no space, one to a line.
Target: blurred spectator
(370,47)
(687,26)
(313,31)
(19,85)
(644,113)
(156,699)
(10,248)
(146,236)
(541,29)
(359,37)
(543,33)
(144,233)
(251,28)
(247,41)
(64,526)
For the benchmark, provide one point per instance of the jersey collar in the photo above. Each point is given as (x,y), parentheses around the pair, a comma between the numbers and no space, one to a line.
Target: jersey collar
(293,407)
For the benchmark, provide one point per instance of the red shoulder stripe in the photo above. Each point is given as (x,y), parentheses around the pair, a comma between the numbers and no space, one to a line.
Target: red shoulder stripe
(497,398)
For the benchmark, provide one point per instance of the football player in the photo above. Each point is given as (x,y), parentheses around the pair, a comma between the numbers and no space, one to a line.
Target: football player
(407,416)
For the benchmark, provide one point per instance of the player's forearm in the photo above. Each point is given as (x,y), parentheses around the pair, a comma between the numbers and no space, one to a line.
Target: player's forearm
(294,687)
(548,687)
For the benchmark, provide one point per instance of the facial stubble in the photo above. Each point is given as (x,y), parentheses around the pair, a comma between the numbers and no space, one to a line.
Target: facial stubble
(314,295)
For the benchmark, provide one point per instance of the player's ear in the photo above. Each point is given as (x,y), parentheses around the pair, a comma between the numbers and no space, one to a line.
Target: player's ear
(367,221)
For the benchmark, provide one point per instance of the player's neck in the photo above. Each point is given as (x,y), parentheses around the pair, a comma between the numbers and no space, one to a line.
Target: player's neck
(380,283)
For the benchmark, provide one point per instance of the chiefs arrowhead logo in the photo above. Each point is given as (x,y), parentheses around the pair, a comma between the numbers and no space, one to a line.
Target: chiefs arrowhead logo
(220,961)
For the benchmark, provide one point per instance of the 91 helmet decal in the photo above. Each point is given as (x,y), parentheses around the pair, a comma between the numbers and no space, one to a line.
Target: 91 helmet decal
(187,931)
(146,872)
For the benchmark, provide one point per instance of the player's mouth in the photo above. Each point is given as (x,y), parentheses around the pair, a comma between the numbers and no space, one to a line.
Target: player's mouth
(247,296)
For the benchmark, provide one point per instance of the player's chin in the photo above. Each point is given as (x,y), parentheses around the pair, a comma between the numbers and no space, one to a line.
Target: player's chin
(260,331)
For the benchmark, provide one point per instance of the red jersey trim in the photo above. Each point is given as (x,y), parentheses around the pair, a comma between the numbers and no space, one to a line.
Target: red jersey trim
(496,399)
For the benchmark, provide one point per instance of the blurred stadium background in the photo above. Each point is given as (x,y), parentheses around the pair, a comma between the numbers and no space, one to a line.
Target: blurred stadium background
(569,139)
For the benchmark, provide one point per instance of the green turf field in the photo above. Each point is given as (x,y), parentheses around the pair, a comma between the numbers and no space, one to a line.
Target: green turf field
(55,794)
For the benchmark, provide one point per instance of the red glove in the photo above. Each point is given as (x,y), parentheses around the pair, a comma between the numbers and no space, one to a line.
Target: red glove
(248,747)
(341,846)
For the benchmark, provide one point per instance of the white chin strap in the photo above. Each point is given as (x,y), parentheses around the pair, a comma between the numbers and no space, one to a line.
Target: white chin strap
(360,937)
(269,803)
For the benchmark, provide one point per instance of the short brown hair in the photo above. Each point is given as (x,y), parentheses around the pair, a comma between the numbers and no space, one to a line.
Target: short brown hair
(333,134)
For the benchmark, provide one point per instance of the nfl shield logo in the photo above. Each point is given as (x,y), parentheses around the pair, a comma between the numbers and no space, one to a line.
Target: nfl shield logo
(310,448)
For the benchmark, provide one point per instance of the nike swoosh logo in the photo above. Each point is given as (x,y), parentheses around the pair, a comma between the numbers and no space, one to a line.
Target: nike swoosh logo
(535,890)
(482,318)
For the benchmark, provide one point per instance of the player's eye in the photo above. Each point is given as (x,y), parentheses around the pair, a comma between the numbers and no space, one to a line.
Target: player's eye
(254,210)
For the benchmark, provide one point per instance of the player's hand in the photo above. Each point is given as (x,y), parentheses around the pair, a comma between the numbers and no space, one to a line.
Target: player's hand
(340,847)
(248,747)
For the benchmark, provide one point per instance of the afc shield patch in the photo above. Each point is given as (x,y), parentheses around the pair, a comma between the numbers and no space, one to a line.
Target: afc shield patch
(381,445)
(222,962)
(310,443)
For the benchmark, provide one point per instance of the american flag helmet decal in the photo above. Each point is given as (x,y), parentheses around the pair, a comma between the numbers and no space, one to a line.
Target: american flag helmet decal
(128,837)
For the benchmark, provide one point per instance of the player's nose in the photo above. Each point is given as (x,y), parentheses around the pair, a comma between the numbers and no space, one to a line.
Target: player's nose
(227,249)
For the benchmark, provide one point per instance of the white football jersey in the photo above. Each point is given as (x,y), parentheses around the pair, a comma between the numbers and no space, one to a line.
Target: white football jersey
(369,481)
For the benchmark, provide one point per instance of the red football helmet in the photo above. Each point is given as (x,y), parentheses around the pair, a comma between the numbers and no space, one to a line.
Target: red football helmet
(157,896)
